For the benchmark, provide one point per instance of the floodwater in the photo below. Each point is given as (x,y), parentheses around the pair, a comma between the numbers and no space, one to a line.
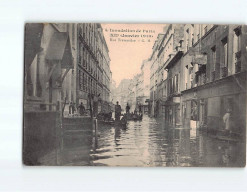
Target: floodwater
(150,143)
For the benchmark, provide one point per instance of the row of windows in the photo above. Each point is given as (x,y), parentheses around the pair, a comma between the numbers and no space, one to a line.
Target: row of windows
(89,32)
(87,84)
(218,59)
(173,84)
(88,62)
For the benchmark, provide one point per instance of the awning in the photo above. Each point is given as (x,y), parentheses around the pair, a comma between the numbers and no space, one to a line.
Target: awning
(33,34)
(59,49)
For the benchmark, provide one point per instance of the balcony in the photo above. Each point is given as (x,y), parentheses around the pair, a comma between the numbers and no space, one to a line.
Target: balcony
(224,72)
(238,67)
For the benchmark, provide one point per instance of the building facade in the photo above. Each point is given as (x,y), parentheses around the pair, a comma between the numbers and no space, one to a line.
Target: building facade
(214,74)
(93,75)
(49,57)
(200,77)
(165,48)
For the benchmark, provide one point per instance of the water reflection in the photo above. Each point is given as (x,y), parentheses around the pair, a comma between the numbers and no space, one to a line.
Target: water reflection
(150,143)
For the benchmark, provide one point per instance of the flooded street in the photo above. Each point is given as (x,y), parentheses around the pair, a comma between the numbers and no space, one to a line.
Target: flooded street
(150,143)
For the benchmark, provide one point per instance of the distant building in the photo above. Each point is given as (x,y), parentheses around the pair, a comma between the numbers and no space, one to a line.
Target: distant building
(164,49)
(122,92)
(154,74)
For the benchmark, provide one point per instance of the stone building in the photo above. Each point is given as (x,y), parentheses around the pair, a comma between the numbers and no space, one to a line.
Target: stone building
(104,61)
(48,59)
(145,76)
(122,92)
(49,63)
(154,74)
(214,76)
(165,48)
(93,75)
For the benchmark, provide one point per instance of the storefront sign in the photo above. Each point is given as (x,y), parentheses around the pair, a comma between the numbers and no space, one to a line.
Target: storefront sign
(199,59)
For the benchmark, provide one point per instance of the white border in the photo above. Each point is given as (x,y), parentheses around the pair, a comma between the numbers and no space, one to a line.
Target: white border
(15,177)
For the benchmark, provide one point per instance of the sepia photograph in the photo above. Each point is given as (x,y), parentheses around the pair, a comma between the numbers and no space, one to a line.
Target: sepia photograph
(134,95)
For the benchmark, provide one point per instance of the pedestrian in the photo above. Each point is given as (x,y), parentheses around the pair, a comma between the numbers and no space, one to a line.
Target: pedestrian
(127,109)
(117,112)
(70,108)
(140,108)
(81,109)
(73,108)
(226,119)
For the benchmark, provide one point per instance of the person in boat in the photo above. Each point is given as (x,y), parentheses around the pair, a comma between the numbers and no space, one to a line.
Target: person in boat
(127,109)
(117,112)
(124,119)
(81,109)
(71,108)
(140,108)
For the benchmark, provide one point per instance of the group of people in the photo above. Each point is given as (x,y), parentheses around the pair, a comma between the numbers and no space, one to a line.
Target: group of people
(118,110)
(81,109)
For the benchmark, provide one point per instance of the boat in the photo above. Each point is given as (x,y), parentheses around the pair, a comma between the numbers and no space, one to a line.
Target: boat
(113,122)
(134,117)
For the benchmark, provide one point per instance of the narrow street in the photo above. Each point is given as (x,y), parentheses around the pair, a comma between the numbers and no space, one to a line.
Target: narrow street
(150,143)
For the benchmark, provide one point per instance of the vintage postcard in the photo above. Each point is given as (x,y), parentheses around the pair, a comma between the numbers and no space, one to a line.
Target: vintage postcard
(148,95)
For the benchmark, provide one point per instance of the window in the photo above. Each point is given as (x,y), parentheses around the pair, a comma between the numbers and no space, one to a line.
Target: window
(237,40)
(237,49)
(83,79)
(213,50)
(175,84)
(80,80)
(225,52)
(187,38)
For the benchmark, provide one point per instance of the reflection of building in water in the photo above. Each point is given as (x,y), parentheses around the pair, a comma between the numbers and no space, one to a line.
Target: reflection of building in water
(184,148)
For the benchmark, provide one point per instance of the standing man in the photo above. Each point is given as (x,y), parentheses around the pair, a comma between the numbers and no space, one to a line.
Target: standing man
(140,108)
(117,112)
(127,109)
(71,108)
(81,109)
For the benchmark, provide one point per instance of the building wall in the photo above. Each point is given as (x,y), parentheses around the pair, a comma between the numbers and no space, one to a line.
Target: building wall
(164,49)
(219,84)
(46,93)
(93,74)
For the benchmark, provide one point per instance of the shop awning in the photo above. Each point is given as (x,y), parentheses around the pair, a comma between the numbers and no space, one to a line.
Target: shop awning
(33,34)
(59,49)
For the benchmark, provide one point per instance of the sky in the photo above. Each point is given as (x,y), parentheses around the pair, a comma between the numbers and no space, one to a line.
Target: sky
(126,57)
